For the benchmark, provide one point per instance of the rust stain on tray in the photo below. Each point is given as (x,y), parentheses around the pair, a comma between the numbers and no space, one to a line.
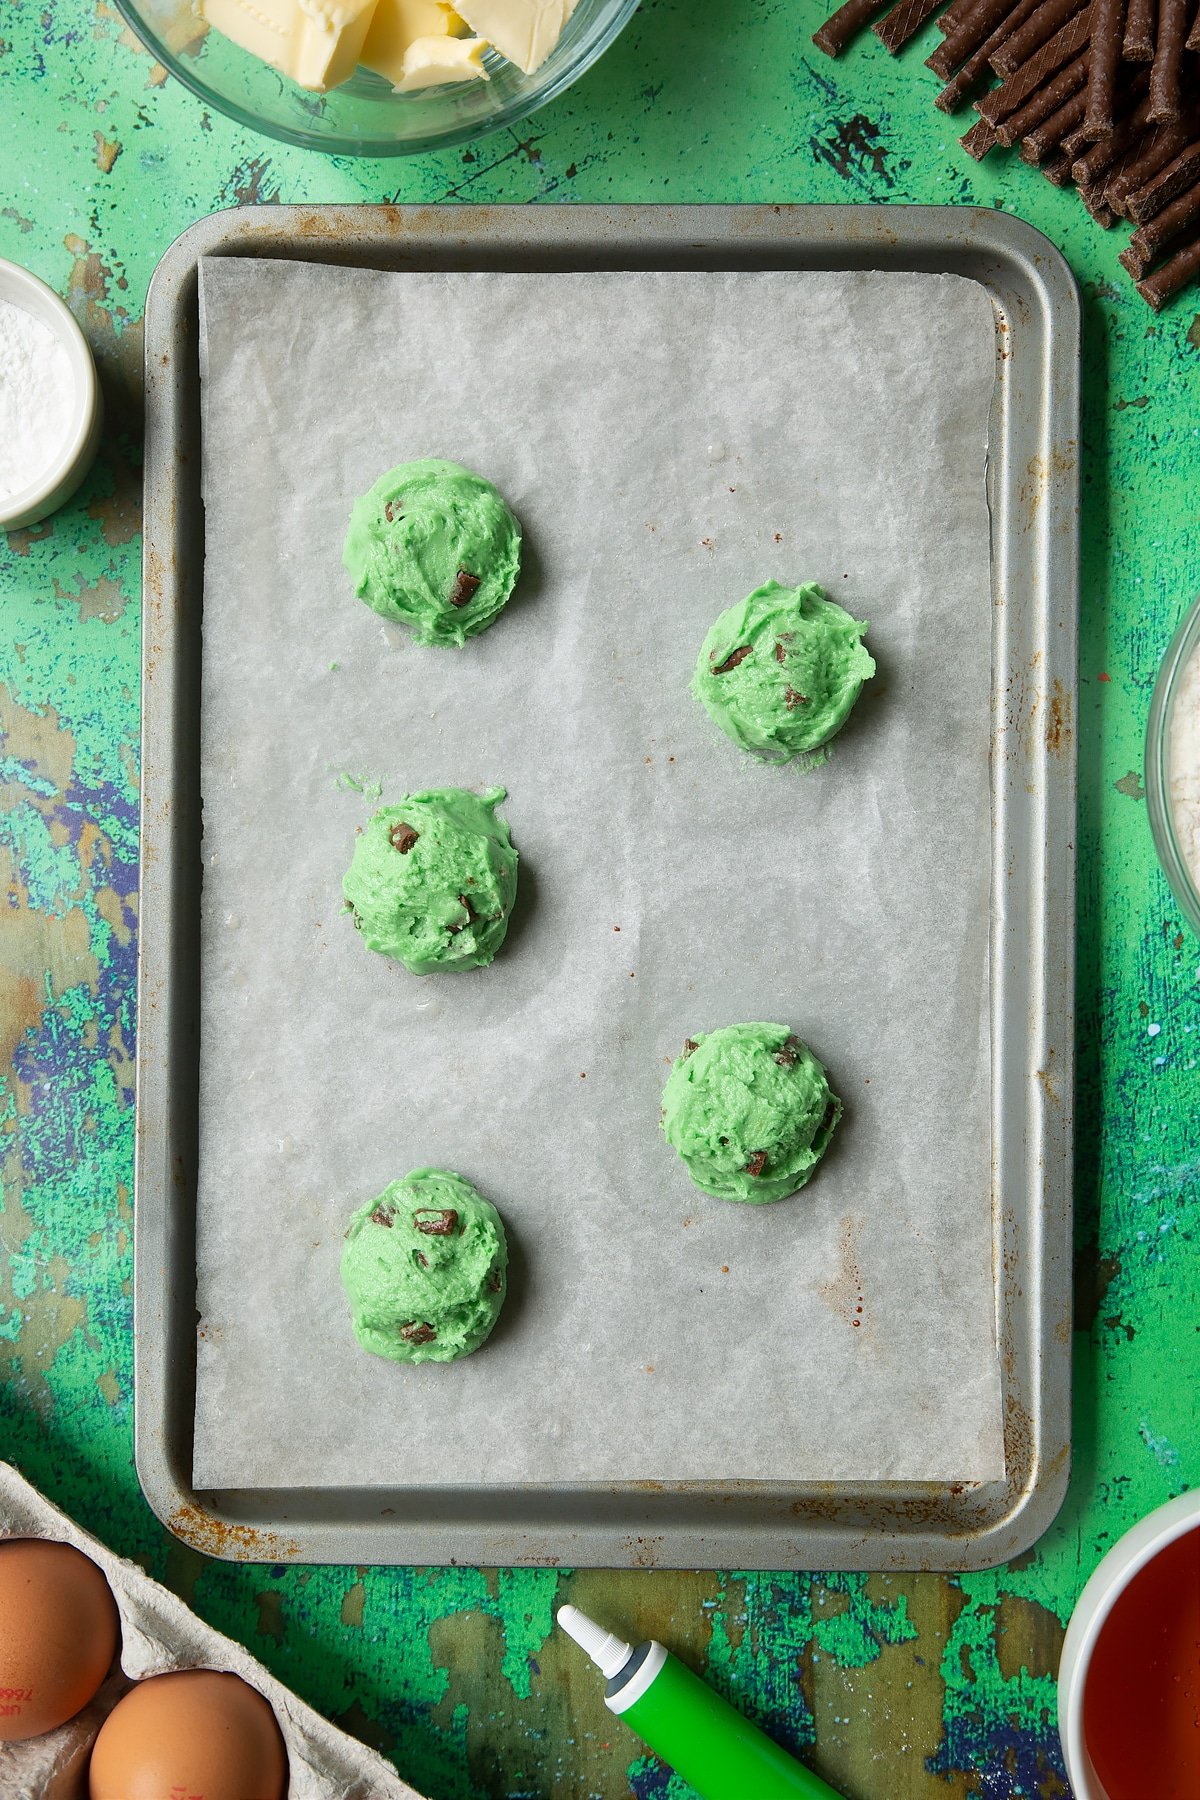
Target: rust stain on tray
(643,1552)
(1039,473)
(218,1537)
(1058,724)
(1045,1076)
(335,226)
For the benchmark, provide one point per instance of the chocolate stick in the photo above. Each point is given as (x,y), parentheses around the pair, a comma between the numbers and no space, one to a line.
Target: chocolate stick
(1178,176)
(1164,228)
(1139,31)
(1096,169)
(1131,260)
(1037,145)
(1166,97)
(1193,42)
(1047,99)
(1166,282)
(1160,144)
(1108,32)
(954,15)
(1062,48)
(976,69)
(1127,121)
(1033,34)
(1101,211)
(1058,170)
(903,22)
(979,140)
(1075,144)
(845,24)
(978,24)
(1127,132)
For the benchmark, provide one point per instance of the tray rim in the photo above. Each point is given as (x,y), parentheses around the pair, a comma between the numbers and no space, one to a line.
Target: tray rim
(736,1524)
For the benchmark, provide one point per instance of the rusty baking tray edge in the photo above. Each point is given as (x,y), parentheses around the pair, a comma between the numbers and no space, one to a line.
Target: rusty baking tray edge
(1034,493)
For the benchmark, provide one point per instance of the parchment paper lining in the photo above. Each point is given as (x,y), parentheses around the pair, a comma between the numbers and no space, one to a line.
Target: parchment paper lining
(668,440)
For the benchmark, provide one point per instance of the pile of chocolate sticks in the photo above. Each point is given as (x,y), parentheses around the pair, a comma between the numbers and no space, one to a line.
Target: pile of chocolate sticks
(1104,94)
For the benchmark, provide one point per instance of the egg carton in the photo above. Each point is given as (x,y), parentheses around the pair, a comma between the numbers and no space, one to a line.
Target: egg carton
(159,1634)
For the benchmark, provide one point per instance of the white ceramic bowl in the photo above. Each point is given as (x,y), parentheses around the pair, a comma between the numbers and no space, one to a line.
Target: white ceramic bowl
(1159,730)
(58,482)
(1128,1556)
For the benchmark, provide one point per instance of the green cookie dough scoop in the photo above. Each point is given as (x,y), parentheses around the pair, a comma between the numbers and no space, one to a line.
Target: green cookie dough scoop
(435,548)
(424,1269)
(780,671)
(433,879)
(749,1109)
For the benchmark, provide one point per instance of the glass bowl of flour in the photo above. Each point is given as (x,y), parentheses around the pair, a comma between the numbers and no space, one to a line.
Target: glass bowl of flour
(50,411)
(1173,765)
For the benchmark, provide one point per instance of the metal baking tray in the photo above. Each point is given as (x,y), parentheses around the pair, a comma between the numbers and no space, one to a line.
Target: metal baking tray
(1033,494)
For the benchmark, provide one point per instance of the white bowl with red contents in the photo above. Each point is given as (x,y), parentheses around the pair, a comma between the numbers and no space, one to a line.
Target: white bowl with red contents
(1129,1679)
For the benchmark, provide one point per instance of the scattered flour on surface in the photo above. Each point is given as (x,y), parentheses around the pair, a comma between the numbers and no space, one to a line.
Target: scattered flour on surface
(1184,765)
(36,398)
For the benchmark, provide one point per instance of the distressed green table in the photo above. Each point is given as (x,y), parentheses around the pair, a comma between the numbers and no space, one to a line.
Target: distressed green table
(930,1685)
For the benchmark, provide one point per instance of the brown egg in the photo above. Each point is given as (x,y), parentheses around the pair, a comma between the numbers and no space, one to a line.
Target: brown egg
(58,1635)
(195,1733)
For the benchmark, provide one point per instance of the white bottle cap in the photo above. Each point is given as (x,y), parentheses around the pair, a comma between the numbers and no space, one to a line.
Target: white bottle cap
(609,1653)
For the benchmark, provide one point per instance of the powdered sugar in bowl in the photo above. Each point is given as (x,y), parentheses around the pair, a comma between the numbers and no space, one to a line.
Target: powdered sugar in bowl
(50,410)
(1173,765)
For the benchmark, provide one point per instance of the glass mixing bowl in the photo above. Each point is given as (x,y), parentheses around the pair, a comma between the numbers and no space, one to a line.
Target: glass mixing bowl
(1184,647)
(365,117)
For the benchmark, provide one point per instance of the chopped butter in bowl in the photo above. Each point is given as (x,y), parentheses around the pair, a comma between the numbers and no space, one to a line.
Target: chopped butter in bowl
(377,77)
(1173,765)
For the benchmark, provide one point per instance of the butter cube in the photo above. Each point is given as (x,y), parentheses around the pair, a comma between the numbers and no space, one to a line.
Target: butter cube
(316,42)
(434,61)
(397,24)
(330,40)
(525,31)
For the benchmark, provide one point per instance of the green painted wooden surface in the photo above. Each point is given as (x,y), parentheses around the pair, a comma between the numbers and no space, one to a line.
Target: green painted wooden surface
(921,1686)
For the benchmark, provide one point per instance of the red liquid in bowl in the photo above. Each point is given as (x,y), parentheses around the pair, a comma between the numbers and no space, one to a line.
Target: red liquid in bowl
(1141,1702)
